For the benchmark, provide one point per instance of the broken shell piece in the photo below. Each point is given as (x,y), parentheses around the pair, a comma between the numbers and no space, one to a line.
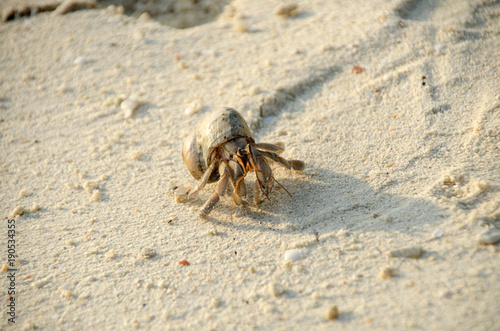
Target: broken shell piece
(490,237)
(80,61)
(19,210)
(90,185)
(438,233)
(287,10)
(193,108)
(332,313)
(294,254)
(129,106)
(111,254)
(275,289)
(147,253)
(387,273)
(241,26)
(413,252)
(96,195)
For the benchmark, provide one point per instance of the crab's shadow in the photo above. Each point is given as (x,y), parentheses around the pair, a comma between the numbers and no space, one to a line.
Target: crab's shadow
(324,201)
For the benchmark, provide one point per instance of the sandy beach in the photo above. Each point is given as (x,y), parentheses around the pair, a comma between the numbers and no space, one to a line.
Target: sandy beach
(394,224)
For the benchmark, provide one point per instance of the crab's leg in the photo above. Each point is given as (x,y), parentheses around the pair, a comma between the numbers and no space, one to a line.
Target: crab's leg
(200,185)
(277,148)
(297,164)
(289,164)
(256,193)
(238,182)
(219,192)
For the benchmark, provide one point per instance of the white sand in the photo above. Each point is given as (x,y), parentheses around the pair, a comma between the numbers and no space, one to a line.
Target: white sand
(389,161)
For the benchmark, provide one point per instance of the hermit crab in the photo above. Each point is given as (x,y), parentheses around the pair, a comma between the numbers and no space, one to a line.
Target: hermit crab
(223,149)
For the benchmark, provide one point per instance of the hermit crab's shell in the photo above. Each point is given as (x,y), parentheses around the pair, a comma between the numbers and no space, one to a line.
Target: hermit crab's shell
(217,128)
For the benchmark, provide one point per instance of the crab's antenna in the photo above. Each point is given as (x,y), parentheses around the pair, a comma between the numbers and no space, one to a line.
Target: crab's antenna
(271,175)
(281,185)
(232,203)
(260,185)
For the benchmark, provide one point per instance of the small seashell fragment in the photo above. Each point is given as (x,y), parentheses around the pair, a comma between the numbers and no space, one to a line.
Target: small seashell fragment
(438,233)
(96,195)
(357,69)
(135,155)
(129,106)
(294,255)
(286,10)
(275,289)
(413,252)
(80,61)
(254,90)
(490,237)
(19,210)
(268,308)
(34,208)
(145,17)
(439,48)
(162,284)
(332,313)
(183,262)
(387,273)
(241,26)
(215,302)
(193,108)
(90,185)
(111,254)
(147,253)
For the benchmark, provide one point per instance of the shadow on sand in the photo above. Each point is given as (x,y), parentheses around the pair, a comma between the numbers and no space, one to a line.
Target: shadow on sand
(323,202)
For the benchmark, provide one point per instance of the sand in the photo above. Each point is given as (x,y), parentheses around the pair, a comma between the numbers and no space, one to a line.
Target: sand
(393,105)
